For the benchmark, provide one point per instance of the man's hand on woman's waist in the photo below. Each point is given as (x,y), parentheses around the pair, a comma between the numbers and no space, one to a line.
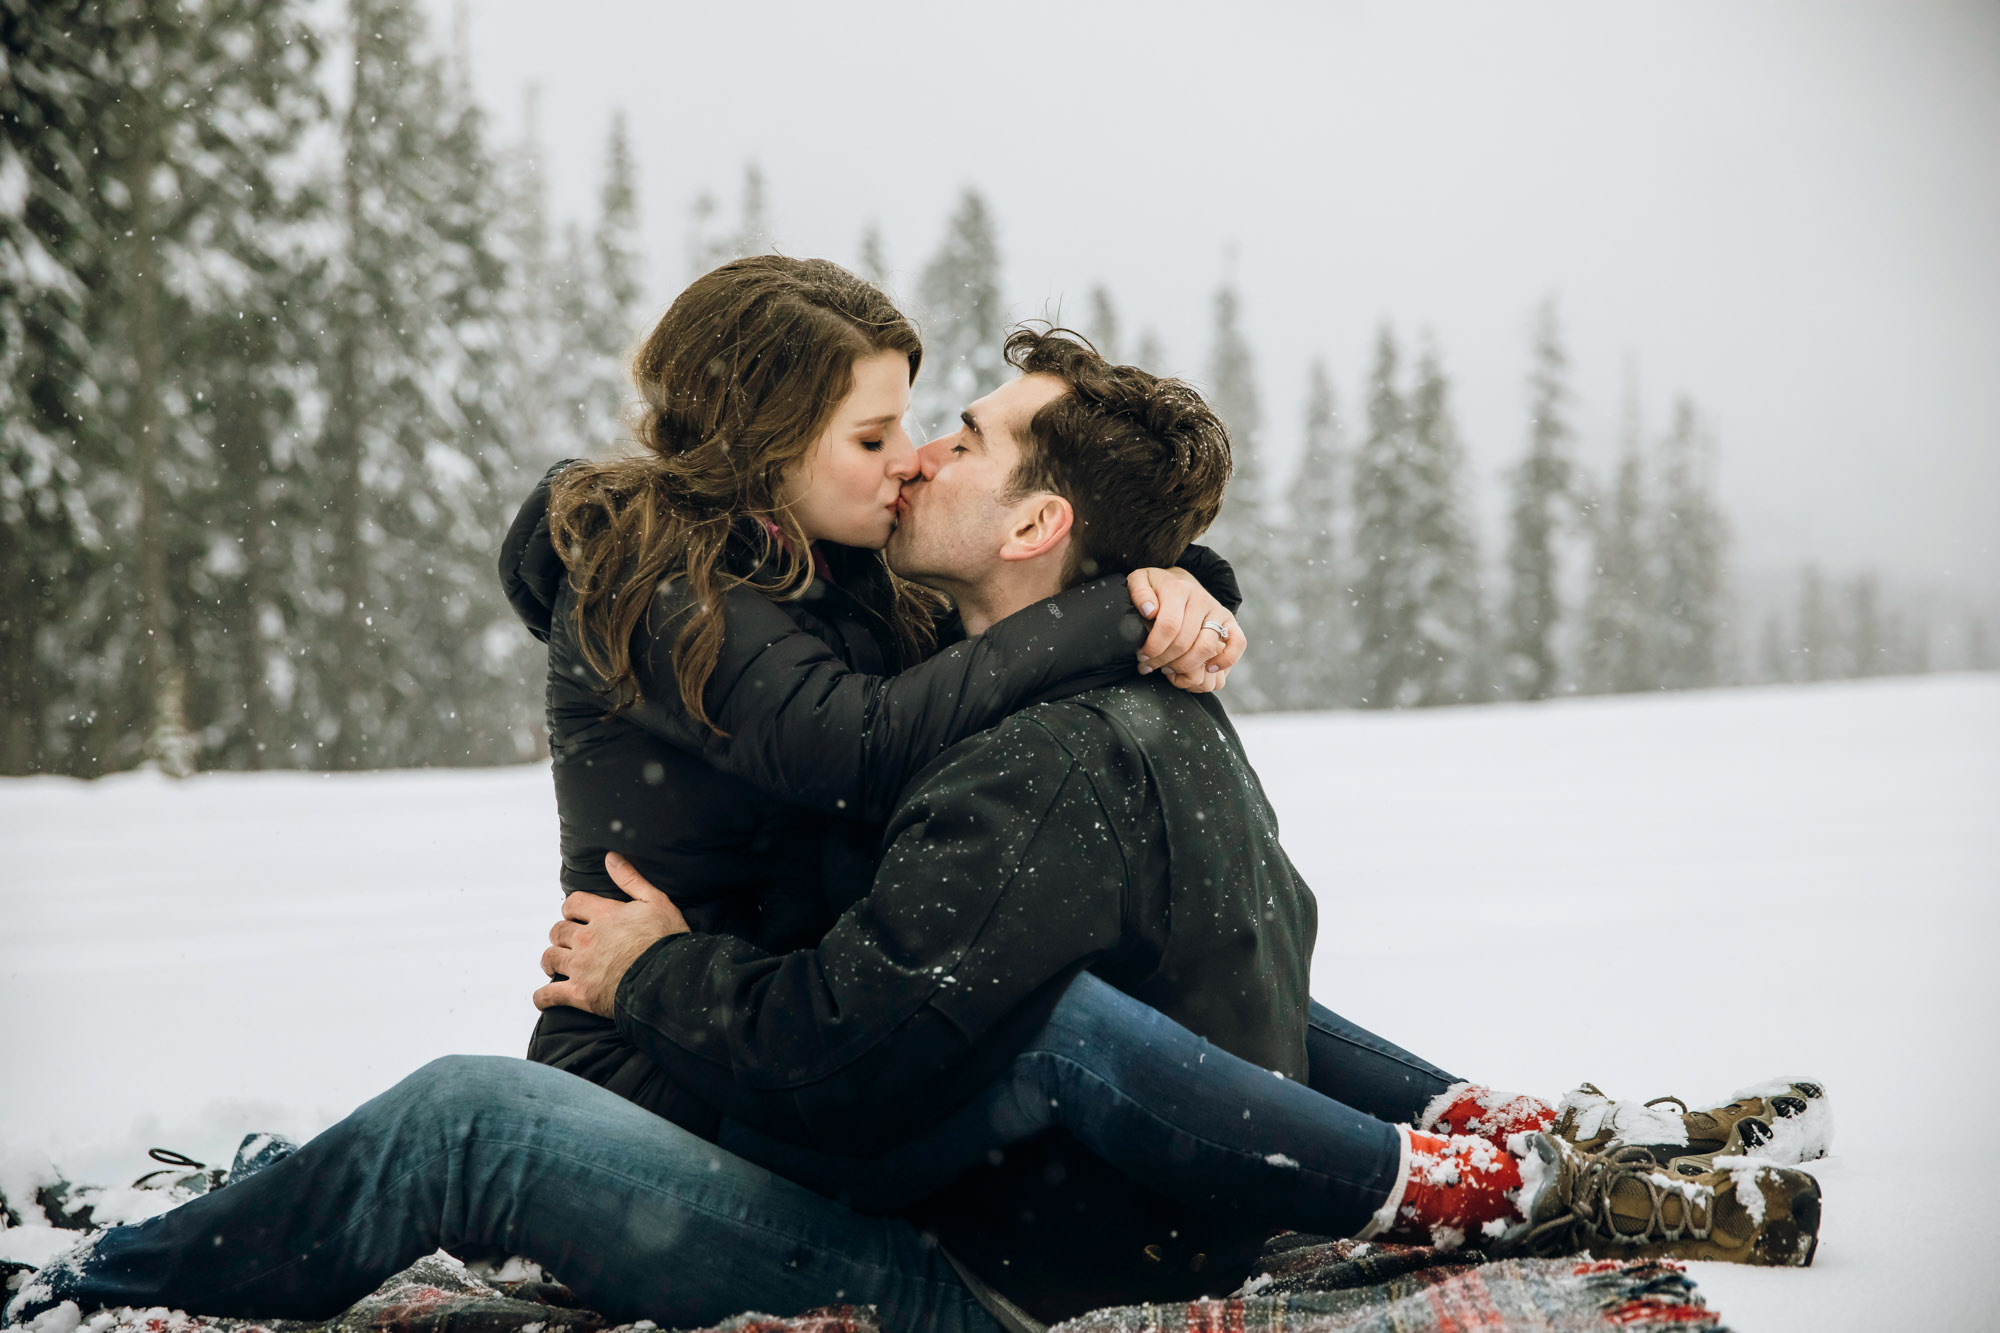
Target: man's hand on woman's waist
(599,939)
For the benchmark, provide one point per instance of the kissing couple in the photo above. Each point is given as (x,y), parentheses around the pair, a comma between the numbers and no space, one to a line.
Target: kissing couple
(928,941)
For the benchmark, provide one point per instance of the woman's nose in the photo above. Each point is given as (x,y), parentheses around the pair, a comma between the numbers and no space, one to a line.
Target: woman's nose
(903,462)
(930,458)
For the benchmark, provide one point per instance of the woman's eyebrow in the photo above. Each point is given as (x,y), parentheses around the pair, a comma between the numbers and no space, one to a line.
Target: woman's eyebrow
(886,419)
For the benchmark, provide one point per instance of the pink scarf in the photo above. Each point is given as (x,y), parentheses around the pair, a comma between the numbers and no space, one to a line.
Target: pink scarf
(820,566)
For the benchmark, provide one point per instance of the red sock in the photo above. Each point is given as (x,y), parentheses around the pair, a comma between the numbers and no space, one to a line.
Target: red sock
(1449,1191)
(1469,1108)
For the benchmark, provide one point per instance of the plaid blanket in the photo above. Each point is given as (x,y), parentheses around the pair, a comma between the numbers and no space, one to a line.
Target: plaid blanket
(1313,1285)
(440,1295)
(1308,1284)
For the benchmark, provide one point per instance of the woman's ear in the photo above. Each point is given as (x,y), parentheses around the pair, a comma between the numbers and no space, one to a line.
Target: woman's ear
(1039,529)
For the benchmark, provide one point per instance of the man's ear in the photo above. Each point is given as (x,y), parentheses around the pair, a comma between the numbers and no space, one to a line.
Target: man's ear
(1040,526)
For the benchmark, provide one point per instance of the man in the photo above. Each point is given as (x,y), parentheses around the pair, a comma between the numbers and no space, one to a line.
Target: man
(1119,831)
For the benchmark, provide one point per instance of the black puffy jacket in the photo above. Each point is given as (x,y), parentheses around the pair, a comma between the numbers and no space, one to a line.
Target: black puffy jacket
(767,827)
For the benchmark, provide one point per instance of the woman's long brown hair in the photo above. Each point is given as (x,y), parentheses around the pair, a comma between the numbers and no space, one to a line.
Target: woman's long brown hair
(738,380)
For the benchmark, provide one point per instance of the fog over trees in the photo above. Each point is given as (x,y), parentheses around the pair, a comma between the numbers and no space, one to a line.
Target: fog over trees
(286,332)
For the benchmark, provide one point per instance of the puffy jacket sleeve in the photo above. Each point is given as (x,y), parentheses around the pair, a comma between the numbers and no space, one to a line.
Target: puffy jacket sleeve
(1001,876)
(797,722)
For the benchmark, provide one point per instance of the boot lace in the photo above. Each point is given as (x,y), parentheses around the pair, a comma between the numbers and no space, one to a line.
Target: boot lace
(179,1167)
(1584,1192)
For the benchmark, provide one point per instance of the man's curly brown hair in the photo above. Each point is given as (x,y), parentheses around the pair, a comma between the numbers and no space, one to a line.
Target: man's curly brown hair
(1141,458)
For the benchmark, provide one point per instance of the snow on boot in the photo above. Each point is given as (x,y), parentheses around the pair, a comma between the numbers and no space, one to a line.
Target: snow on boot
(258,1151)
(1786,1121)
(1448,1189)
(1620,1205)
(1471,1108)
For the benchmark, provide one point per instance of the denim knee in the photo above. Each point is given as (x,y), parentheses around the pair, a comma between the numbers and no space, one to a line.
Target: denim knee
(1093,1010)
(456,1088)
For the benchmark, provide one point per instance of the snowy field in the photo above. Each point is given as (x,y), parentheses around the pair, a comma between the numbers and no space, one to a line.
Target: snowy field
(1672,894)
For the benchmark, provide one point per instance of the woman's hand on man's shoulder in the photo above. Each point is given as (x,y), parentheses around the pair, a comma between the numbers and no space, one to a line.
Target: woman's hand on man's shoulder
(1194,639)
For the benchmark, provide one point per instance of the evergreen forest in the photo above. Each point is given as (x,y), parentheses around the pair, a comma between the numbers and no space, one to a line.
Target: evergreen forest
(287,331)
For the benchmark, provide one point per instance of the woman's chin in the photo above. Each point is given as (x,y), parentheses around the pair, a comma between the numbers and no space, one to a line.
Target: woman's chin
(860,541)
(872,538)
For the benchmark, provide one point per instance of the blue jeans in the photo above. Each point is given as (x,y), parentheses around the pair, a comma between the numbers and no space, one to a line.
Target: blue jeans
(1166,1107)
(484,1155)
(644,1220)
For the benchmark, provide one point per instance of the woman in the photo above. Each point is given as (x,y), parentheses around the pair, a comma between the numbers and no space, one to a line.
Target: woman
(724,635)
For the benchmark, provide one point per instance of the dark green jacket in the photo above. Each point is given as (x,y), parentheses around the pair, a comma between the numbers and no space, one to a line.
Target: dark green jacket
(1121,830)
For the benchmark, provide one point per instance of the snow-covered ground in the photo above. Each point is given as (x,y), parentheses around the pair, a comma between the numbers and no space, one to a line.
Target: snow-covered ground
(1673,894)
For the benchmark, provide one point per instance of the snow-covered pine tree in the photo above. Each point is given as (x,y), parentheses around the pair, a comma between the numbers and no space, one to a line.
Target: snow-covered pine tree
(147,52)
(1413,575)
(615,303)
(597,304)
(485,705)
(1310,662)
(1982,646)
(1101,324)
(1620,605)
(1151,354)
(1381,614)
(418,664)
(874,261)
(242,365)
(963,325)
(1443,568)
(1815,635)
(1774,659)
(1869,646)
(192,128)
(542,322)
(1693,538)
(753,222)
(51,249)
(1541,500)
(698,247)
(709,247)
(1243,530)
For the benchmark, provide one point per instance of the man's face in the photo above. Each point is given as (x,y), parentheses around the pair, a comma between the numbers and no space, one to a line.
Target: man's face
(956,515)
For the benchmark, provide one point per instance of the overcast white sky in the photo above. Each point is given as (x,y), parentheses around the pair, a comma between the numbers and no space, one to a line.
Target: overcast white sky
(1788,210)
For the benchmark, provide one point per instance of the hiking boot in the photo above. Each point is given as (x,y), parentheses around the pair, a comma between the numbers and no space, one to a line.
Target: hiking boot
(1620,1205)
(1783,1121)
(256,1152)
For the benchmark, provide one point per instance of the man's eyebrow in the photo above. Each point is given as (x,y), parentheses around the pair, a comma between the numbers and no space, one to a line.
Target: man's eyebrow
(971,423)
